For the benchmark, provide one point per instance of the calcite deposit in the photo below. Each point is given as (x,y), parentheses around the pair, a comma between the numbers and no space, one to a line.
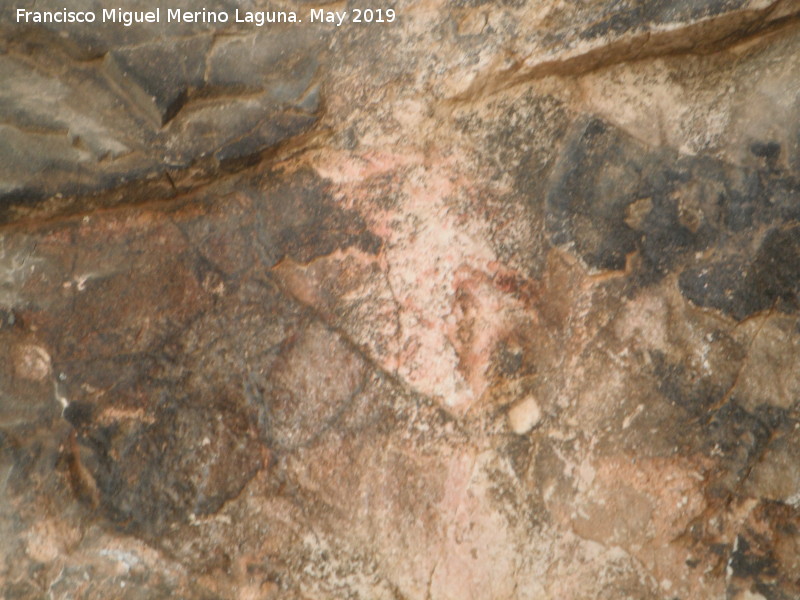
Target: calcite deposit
(497,300)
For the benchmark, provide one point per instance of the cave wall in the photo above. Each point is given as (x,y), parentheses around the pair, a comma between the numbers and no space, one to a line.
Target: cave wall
(498,300)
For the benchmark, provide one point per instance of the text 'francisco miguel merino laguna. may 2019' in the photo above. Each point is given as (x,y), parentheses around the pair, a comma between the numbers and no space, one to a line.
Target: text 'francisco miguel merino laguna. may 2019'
(174,15)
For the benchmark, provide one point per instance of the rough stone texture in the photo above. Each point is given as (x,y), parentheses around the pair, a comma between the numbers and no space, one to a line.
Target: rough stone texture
(496,301)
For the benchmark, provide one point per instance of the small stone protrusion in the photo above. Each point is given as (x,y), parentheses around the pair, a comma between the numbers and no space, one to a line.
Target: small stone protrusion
(524,416)
(32,362)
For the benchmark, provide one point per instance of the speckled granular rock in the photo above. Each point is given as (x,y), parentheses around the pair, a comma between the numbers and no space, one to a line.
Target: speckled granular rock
(499,300)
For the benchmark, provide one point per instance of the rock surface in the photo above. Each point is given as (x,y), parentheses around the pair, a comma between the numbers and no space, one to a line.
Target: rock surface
(498,300)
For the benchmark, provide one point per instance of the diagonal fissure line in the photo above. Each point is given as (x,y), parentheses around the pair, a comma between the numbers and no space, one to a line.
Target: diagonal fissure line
(692,39)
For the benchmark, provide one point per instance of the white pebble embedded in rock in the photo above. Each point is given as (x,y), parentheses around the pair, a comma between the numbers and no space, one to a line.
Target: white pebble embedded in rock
(524,416)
